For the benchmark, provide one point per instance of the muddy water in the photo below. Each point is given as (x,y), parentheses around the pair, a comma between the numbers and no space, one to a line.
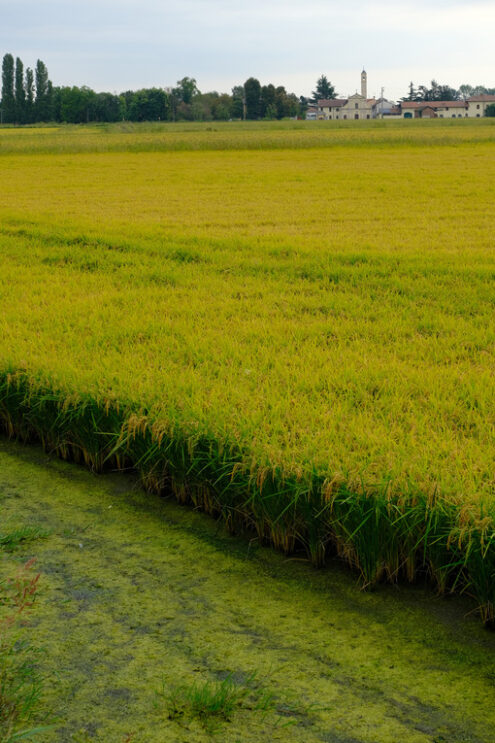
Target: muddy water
(140,596)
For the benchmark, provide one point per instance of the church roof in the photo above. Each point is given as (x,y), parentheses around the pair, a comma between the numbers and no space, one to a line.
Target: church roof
(332,102)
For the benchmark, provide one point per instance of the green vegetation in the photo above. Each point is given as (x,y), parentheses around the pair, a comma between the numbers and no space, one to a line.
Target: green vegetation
(297,339)
(20,678)
(29,98)
(137,591)
(216,702)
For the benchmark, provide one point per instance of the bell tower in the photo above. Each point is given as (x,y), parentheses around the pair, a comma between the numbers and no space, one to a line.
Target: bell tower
(364,84)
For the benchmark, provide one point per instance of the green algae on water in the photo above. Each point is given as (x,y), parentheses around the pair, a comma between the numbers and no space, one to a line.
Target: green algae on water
(138,594)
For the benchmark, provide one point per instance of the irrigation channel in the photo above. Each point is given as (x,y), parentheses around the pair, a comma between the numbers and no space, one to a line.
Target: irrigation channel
(146,610)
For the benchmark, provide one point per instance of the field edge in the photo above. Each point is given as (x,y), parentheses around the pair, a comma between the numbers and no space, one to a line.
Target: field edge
(383,538)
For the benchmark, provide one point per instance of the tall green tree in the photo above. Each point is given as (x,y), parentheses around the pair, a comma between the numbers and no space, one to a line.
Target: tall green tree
(221,107)
(237,107)
(43,91)
(324,89)
(437,93)
(267,104)
(29,87)
(148,104)
(8,96)
(20,92)
(466,90)
(187,89)
(252,97)
(412,95)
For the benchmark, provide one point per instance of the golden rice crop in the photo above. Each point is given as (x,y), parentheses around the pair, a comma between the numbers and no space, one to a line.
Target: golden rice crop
(322,312)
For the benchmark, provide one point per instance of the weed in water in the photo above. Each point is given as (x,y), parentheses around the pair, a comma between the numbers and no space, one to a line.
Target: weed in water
(215,702)
(13,539)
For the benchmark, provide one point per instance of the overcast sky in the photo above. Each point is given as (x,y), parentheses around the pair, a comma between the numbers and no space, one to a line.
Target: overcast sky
(126,44)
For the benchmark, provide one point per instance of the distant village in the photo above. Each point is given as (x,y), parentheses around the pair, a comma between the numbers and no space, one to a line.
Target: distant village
(359,106)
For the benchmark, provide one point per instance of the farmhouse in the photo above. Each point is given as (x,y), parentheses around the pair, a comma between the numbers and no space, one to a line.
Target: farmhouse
(434,109)
(359,106)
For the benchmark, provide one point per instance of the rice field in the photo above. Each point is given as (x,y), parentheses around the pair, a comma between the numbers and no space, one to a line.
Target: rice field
(290,326)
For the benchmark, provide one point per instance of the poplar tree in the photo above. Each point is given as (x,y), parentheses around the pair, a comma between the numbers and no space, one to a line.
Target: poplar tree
(8,98)
(20,93)
(29,86)
(42,91)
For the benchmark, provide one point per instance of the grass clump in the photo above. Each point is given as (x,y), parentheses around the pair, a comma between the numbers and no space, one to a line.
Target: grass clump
(12,539)
(216,702)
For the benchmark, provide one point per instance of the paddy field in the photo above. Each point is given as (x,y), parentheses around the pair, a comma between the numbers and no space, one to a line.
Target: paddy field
(288,326)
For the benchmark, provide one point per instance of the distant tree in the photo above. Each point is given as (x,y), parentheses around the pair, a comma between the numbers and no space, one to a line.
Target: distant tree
(201,107)
(221,107)
(20,92)
(324,89)
(148,104)
(237,107)
(187,89)
(49,101)
(106,107)
(185,111)
(412,95)
(293,106)
(29,87)
(282,102)
(446,93)
(303,106)
(74,105)
(482,90)
(252,96)
(43,92)
(8,96)
(437,93)
(268,108)
(490,109)
(466,91)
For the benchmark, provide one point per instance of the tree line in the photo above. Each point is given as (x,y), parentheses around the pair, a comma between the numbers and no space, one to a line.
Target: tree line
(437,92)
(434,92)
(29,97)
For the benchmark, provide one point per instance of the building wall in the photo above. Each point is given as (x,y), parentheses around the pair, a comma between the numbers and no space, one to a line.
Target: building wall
(477,108)
(454,112)
(357,107)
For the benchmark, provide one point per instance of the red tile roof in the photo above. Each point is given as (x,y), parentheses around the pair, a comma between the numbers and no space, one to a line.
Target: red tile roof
(332,102)
(434,104)
(481,98)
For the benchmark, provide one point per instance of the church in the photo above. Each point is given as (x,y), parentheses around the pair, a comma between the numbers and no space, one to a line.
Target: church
(357,106)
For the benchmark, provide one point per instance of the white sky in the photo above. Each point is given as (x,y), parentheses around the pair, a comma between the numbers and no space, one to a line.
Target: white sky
(126,44)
